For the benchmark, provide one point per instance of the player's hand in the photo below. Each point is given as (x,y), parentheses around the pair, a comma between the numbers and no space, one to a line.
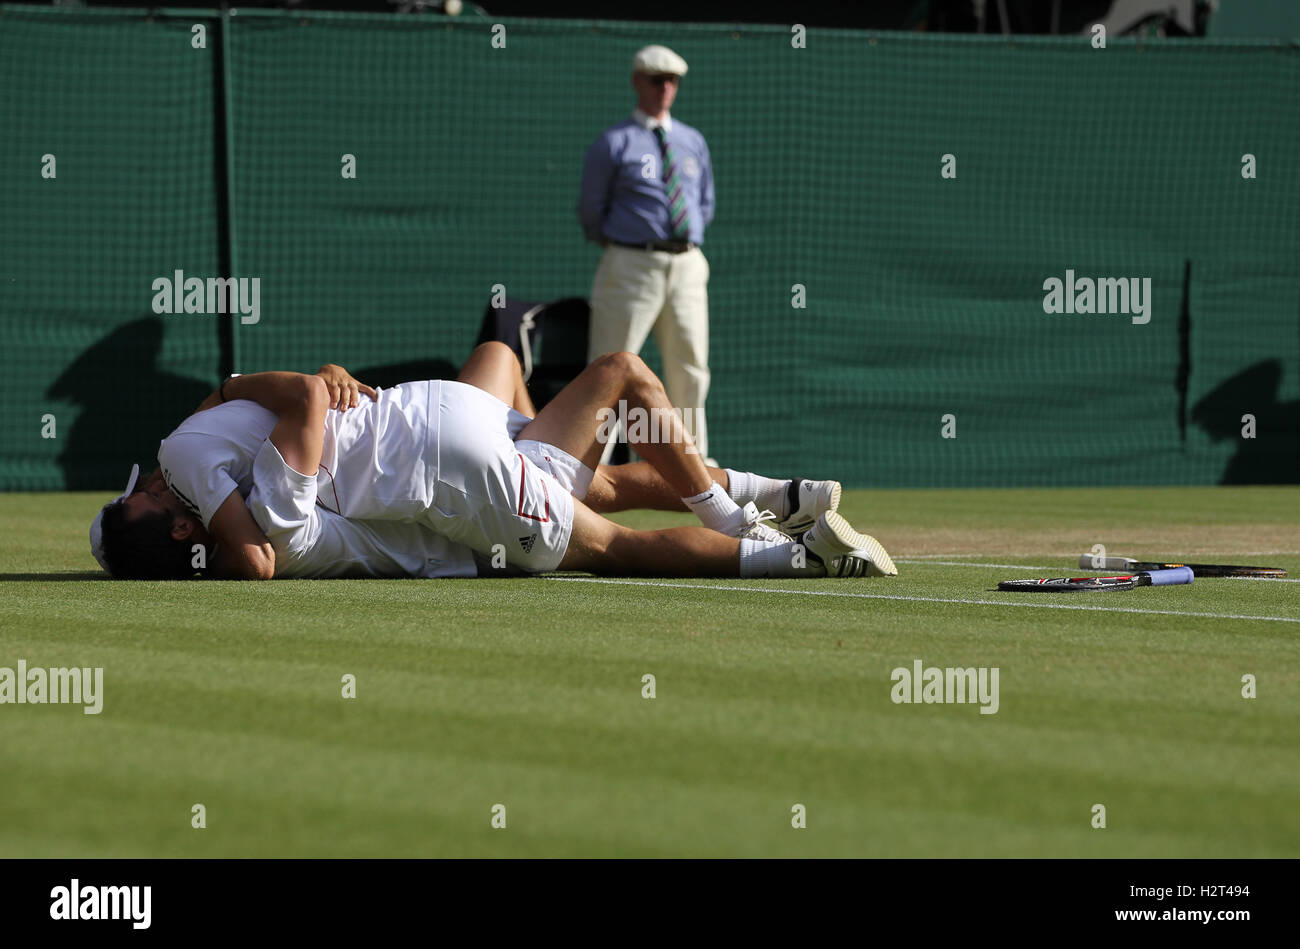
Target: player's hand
(344,390)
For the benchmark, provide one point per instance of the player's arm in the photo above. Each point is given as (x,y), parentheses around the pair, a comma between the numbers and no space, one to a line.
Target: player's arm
(243,551)
(267,389)
(273,389)
(707,202)
(593,197)
(279,392)
(299,435)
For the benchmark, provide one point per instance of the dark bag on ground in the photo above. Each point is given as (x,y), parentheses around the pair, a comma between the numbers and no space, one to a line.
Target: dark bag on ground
(550,340)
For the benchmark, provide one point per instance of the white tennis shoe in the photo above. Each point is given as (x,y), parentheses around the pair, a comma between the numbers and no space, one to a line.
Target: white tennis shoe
(750,526)
(807,500)
(843,551)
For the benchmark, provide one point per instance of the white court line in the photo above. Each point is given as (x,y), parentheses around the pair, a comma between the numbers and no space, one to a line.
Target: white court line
(1245,553)
(932,556)
(1196,553)
(967,563)
(1023,566)
(923,599)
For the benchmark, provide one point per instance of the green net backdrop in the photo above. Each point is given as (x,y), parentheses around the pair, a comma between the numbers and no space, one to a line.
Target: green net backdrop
(923,294)
(124,106)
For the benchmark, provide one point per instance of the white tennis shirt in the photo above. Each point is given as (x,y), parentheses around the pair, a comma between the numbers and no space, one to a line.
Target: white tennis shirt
(380,459)
(211,454)
(312,541)
(226,449)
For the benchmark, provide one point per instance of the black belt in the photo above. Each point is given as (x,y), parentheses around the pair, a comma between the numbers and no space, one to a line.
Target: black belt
(672,247)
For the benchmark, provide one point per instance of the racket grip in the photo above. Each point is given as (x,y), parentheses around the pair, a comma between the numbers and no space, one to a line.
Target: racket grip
(1161,578)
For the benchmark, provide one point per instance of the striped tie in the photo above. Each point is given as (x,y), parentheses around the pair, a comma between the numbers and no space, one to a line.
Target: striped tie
(673,185)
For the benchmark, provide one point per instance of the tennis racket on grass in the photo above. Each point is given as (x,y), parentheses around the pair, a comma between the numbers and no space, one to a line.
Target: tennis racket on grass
(1088,562)
(1147,578)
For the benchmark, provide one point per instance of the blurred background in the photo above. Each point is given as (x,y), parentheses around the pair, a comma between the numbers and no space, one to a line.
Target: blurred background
(924,295)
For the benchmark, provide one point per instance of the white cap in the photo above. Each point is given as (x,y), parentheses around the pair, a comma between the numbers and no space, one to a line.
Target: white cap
(657,60)
(96,526)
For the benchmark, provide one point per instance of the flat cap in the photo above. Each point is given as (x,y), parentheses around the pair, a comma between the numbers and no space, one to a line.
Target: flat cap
(657,60)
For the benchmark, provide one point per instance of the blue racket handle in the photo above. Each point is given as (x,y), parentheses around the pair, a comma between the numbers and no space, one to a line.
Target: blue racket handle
(1161,578)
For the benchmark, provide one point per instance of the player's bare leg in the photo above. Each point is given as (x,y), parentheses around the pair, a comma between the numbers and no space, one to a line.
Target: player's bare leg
(573,421)
(494,368)
(639,486)
(829,548)
(578,420)
(600,546)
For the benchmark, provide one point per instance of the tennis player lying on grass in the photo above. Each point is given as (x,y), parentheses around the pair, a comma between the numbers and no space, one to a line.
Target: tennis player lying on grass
(443,479)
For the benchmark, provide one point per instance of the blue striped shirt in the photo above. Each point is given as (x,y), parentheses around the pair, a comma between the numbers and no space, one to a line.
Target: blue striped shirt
(623,196)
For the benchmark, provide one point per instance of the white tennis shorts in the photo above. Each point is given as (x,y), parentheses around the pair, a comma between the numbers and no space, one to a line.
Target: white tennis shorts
(511,502)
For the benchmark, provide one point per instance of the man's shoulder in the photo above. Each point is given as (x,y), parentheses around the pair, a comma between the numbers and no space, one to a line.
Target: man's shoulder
(619,131)
(687,131)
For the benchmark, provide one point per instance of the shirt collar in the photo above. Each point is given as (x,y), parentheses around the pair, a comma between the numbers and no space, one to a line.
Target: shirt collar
(648,123)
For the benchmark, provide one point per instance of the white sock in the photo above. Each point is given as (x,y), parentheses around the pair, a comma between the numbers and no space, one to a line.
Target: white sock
(770,494)
(763,558)
(714,508)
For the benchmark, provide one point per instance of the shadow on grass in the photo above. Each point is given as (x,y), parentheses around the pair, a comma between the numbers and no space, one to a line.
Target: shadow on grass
(63,577)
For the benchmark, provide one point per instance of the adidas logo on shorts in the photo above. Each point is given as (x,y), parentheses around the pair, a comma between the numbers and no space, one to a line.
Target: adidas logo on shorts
(527,542)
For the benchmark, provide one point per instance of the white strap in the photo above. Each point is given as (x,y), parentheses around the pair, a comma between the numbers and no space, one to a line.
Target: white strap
(526,324)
